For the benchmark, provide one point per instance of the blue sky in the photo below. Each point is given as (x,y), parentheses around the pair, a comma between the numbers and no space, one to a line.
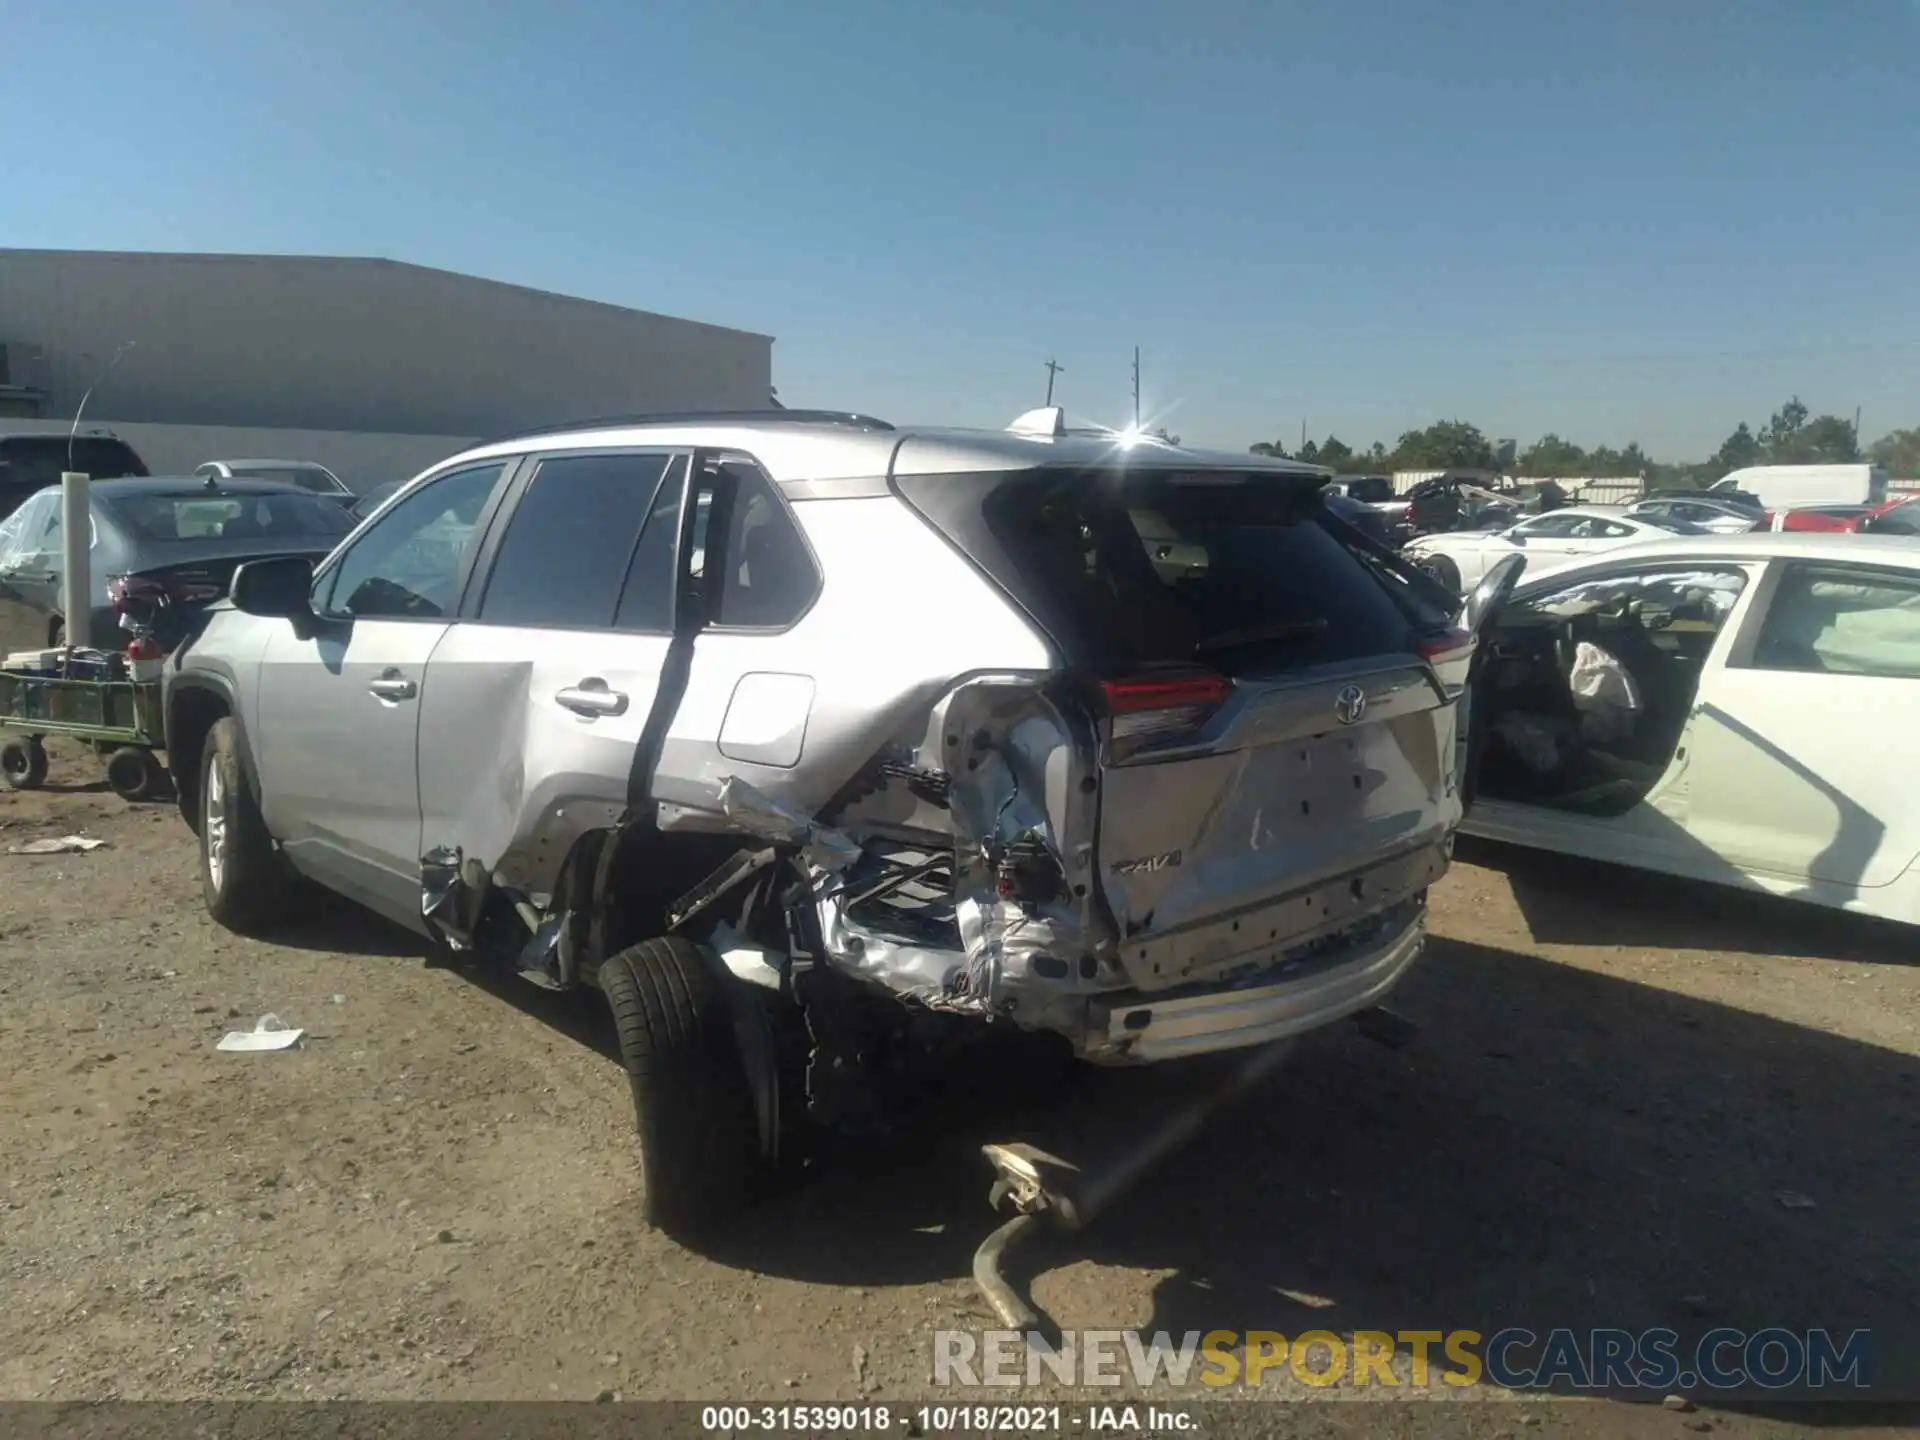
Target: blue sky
(1615,219)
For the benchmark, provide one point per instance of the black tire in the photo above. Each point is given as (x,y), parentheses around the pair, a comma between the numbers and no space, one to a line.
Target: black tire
(23,763)
(699,1135)
(135,774)
(247,890)
(1442,569)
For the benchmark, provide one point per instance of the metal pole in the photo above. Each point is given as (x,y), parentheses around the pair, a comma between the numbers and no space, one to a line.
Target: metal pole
(1136,387)
(76,583)
(1054,367)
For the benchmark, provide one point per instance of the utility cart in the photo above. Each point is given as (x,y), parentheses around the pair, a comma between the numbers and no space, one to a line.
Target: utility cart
(91,698)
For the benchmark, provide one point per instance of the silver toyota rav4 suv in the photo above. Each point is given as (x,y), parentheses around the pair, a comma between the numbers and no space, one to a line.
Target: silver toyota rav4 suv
(818,745)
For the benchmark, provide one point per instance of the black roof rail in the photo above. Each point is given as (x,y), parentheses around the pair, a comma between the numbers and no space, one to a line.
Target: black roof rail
(702,417)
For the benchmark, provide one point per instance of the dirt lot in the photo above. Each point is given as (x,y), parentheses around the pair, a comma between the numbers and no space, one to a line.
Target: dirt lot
(1615,1082)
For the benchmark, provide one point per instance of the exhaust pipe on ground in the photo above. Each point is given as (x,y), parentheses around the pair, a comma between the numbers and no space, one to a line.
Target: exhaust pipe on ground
(1039,1186)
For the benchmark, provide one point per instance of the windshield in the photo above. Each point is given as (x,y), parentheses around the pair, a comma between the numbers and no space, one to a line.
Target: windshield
(37,460)
(232,517)
(307,477)
(1137,568)
(1902,519)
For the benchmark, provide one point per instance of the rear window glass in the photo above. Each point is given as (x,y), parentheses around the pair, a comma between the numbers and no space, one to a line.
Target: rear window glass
(1125,569)
(38,460)
(231,517)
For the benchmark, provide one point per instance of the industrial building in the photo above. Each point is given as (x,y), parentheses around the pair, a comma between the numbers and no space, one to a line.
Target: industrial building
(374,368)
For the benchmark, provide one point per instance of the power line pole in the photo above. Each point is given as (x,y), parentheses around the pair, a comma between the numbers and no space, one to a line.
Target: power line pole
(1136,387)
(1054,367)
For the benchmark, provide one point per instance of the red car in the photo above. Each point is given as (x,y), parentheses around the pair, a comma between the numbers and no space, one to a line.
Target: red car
(1830,518)
(1899,516)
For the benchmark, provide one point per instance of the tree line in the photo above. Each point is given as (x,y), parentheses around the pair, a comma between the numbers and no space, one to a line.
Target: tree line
(1792,436)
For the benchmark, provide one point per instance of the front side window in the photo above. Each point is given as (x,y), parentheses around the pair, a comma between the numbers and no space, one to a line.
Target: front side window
(572,538)
(409,563)
(45,534)
(20,532)
(1551,527)
(1838,620)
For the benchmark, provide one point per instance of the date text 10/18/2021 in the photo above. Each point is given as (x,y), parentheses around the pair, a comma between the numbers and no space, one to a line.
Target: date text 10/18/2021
(947,1419)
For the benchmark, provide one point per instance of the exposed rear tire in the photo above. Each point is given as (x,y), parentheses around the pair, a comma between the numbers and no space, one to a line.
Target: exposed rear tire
(699,1135)
(23,763)
(240,874)
(1442,569)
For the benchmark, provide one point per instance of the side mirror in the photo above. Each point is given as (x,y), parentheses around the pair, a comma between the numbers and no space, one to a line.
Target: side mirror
(277,588)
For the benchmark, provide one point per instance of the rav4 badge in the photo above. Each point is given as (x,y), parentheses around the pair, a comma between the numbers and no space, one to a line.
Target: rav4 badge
(1146,863)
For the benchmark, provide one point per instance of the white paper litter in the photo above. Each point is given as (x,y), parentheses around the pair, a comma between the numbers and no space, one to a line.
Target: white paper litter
(267,1034)
(64,845)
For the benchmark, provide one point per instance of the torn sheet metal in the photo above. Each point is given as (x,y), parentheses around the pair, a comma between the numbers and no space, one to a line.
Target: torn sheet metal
(1012,939)
(754,812)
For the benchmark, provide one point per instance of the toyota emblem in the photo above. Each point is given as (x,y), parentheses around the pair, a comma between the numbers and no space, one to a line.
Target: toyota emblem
(1350,704)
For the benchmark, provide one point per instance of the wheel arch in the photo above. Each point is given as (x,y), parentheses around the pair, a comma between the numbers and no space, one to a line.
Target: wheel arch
(194,704)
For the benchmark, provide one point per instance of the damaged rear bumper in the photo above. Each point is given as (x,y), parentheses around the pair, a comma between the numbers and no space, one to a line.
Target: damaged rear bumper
(1133,1028)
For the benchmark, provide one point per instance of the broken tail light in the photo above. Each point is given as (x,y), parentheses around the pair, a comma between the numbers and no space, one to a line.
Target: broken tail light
(132,594)
(1151,710)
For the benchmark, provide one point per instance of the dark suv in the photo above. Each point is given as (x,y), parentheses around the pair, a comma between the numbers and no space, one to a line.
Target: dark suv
(29,463)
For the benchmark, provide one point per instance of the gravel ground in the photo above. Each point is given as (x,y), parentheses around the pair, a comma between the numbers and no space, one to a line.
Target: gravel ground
(1631,1103)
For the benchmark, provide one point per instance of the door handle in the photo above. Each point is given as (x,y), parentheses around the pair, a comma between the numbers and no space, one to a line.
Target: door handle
(591,698)
(393,686)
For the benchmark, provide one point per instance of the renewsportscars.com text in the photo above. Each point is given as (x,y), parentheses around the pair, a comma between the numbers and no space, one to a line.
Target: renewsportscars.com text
(1514,1359)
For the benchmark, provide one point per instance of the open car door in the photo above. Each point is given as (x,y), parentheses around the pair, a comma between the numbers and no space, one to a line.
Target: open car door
(1478,614)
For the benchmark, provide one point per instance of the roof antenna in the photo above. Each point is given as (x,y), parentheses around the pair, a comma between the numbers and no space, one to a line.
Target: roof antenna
(81,408)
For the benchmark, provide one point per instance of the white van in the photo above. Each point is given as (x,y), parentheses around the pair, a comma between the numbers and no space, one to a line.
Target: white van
(1793,487)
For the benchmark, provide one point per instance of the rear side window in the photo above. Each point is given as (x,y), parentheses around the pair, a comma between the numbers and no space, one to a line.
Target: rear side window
(565,555)
(770,576)
(1842,621)
(1137,568)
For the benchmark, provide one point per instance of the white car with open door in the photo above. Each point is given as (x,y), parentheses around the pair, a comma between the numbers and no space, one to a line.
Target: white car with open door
(1459,559)
(1723,708)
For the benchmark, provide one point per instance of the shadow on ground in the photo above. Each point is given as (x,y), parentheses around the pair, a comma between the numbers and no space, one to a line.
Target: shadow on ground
(1558,1149)
(1570,901)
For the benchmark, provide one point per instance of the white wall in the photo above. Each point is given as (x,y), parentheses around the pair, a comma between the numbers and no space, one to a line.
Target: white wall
(312,342)
(362,460)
